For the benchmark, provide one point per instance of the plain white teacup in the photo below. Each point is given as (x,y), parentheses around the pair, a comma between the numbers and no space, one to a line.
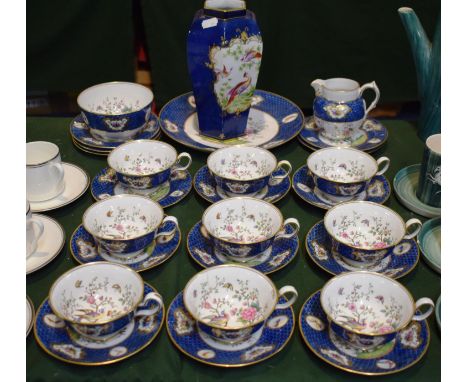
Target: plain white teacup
(34,230)
(44,171)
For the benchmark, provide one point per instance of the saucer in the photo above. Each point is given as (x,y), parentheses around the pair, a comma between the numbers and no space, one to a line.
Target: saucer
(83,248)
(49,245)
(317,242)
(371,136)
(408,348)
(59,342)
(205,186)
(76,183)
(29,315)
(282,253)
(184,335)
(405,185)
(377,191)
(273,121)
(438,312)
(105,184)
(80,133)
(429,240)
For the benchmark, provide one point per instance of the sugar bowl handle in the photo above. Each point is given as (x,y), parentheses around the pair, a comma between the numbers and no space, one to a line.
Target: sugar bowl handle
(171,232)
(371,85)
(286,166)
(152,296)
(287,289)
(296,226)
(424,301)
(409,223)
(386,162)
(178,167)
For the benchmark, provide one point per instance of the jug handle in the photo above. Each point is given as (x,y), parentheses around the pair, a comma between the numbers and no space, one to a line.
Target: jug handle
(371,85)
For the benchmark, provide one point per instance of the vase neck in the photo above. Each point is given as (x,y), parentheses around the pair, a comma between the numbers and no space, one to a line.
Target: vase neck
(224,9)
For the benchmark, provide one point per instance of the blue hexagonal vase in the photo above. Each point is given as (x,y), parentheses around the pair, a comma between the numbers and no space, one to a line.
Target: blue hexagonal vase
(224,53)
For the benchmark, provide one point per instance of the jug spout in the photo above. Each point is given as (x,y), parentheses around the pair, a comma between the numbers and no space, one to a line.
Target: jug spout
(317,85)
(420,44)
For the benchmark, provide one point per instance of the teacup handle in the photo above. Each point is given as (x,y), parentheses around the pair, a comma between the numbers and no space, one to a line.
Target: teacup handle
(60,170)
(409,223)
(386,162)
(285,165)
(179,158)
(424,301)
(168,219)
(39,225)
(151,296)
(295,223)
(282,292)
(371,85)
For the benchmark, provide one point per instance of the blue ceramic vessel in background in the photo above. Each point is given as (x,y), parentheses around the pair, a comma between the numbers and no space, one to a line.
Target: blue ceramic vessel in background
(224,52)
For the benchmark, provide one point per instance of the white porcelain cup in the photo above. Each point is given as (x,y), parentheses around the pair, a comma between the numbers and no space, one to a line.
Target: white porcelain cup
(44,171)
(34,230)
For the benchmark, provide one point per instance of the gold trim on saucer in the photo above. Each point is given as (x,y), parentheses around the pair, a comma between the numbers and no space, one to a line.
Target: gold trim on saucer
(266,273)
(351,370)
(208,200)
(58,251)
(138,271)
(68,201)
(324,208)
(210,149)
(313,147)
(335,274)
(33,315)
(114,360)
(187,194)
(227,365)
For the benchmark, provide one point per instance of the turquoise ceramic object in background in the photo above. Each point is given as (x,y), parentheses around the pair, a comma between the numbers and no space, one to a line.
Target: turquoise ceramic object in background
(429,240)
(438,313)
(427,60)
(429,187)
(405,185)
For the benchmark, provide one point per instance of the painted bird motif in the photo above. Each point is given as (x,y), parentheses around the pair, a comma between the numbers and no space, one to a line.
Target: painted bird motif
(251,55)
(239,88)
(222,73)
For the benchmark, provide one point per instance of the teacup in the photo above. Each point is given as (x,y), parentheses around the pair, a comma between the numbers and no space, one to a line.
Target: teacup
(244,228)
(44,171)
(34,230)
(339,108)
(99,299)
(343,173)
(368,309)
(145,163)
(429,185)
(364,233)
(124,225)
(244,171)
(115,111)
(231,303)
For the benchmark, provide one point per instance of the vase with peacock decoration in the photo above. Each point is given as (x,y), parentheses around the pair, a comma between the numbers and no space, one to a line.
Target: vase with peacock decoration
(224,53)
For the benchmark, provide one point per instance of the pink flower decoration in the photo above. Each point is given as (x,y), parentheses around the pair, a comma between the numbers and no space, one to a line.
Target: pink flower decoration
(344,234)
(91,299)
(229,228)
(206,305)
(249,314)
(352,307)
(385,329)
(380,244)
(119,227)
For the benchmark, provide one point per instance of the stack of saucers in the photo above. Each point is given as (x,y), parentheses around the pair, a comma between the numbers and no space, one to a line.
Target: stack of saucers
(111,114)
